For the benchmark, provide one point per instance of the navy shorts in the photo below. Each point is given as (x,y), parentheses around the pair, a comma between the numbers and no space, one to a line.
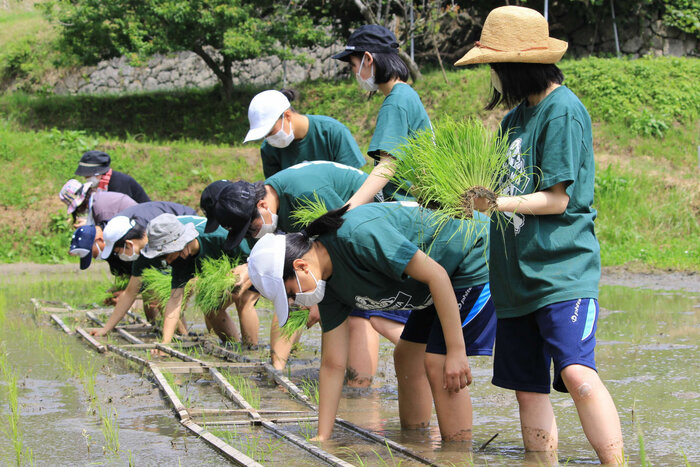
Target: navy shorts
(562,332)
(478,317)
(400,316)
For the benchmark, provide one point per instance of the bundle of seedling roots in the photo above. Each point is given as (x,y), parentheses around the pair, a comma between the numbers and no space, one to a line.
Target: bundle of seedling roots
(447,168)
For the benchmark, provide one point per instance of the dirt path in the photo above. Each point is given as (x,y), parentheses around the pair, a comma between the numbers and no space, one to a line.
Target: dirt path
(689,282)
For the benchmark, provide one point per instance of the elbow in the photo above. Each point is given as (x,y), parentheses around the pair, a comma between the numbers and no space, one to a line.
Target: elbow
(561,203)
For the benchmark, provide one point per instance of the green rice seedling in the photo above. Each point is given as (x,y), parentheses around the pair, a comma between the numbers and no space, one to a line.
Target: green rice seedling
(448,169)
(214,284)
(110,429)
(295,322)
(247,389)
(310,389)
(307,430)
(156,286)
(119,282)
(308,211)
(13,429)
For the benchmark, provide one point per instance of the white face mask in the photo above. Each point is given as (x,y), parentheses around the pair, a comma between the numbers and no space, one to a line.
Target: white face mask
(128,258)
(281,139)
(267,228)
(310,298)
(94,180)
(496,82)
(99,251)
(366,84)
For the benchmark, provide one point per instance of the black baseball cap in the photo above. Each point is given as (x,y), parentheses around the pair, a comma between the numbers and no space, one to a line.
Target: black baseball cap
(369,38)
(93,163)
(207,203)
(234,211)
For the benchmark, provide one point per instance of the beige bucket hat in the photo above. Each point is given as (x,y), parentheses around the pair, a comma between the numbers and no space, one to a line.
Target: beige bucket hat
(515,34)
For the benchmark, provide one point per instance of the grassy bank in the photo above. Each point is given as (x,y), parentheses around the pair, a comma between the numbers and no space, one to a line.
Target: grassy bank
(645,112)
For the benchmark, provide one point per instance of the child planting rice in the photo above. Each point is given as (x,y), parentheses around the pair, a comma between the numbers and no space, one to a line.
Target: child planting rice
(371,258)
(184,245)
(545,262)
(253,209)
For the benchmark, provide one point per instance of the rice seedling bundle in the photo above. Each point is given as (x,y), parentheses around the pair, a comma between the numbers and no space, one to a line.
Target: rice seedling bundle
(295,322)
(446,169)
(156,286)
(308,211)
(215,283)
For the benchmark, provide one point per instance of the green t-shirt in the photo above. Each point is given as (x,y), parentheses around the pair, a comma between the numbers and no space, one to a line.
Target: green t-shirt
(374,245)
(401,115)
(326,140)
(333,183)
(142,263)
(540,260)
(211,245)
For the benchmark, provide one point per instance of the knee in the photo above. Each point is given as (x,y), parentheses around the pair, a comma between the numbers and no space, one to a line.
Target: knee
(580,381)
(528,399)
(434,365)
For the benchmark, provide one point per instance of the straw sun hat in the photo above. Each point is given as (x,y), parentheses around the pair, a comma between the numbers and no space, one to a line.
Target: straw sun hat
(515,34)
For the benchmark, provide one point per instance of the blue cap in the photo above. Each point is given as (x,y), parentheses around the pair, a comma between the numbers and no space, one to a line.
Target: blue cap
(81,244)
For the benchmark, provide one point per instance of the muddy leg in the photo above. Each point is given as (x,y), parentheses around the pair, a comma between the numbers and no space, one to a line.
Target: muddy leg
(363,360)
(248,317)
(454,409)
(537,421)
(597,412)
(415,398)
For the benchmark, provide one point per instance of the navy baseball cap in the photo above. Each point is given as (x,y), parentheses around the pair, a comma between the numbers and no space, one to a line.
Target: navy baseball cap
(93,163)
(81,244)
(234,211)
(207,203)
(369,38)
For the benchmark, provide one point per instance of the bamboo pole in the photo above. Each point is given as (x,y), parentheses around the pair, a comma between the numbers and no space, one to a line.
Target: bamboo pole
(128,355)
(165,387)
(225,449)
(241,411)
(91,340)
(124,334)
(252,422)
(306,446)
(61,324)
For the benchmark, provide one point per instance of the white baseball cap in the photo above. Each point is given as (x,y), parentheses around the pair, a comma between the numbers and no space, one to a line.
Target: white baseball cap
(265,269)
(263,112)
(115,229)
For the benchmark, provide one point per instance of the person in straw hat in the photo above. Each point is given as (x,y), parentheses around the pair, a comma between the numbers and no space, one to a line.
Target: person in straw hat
(545,262)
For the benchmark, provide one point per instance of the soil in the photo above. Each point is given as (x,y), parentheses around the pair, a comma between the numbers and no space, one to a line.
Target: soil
(477,192)
(653,279)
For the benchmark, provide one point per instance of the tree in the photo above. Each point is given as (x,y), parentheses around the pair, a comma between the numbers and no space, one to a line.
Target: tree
(219,31)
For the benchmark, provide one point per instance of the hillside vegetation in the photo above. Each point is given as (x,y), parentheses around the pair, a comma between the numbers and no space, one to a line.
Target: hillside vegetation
(646,116)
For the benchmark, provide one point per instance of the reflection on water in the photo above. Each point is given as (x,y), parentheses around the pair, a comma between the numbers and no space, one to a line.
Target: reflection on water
(647,354)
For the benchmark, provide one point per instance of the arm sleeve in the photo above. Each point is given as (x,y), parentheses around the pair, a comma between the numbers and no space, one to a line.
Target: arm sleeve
(559,147)
(383,248)
(138,194)
(181,274)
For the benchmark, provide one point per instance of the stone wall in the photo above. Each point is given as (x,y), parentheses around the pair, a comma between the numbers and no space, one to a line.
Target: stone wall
(188,70)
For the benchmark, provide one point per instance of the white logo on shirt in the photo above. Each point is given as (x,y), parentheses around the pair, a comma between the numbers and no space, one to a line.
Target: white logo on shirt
(517,165)
(402,301)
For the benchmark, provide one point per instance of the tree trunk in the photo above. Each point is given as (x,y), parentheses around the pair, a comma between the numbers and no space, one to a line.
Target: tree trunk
(224,75)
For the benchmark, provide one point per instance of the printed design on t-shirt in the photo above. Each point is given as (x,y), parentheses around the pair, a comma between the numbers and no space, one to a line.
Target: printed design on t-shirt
(402,301)
(301,165)
(518,180)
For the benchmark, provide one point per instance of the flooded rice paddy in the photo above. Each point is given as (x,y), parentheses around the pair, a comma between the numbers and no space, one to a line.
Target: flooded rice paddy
(61,403)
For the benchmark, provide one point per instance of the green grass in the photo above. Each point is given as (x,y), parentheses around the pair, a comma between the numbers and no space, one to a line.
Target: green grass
(645,114)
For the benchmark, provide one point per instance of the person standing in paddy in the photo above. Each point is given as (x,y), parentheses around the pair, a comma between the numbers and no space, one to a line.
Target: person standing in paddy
(253,209)
(390,256)
(291,138)
(372,54)
(545,262)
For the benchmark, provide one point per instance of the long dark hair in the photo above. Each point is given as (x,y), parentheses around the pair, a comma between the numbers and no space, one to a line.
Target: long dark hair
(519,80)
(298,244)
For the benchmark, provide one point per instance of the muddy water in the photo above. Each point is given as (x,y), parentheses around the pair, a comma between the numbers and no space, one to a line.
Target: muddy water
(647,354)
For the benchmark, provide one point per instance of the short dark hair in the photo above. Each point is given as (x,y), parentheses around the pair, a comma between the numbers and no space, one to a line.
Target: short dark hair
(387,66)
(519,80)
(135,232)
(259,189)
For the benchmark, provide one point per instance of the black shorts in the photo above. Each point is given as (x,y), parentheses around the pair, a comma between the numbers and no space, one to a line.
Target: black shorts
(478,317)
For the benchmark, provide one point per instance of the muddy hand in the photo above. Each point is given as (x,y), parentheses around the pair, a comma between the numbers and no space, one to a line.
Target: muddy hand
(481,204)
(457,373)
(243,282)
(314,316)
(97,332)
